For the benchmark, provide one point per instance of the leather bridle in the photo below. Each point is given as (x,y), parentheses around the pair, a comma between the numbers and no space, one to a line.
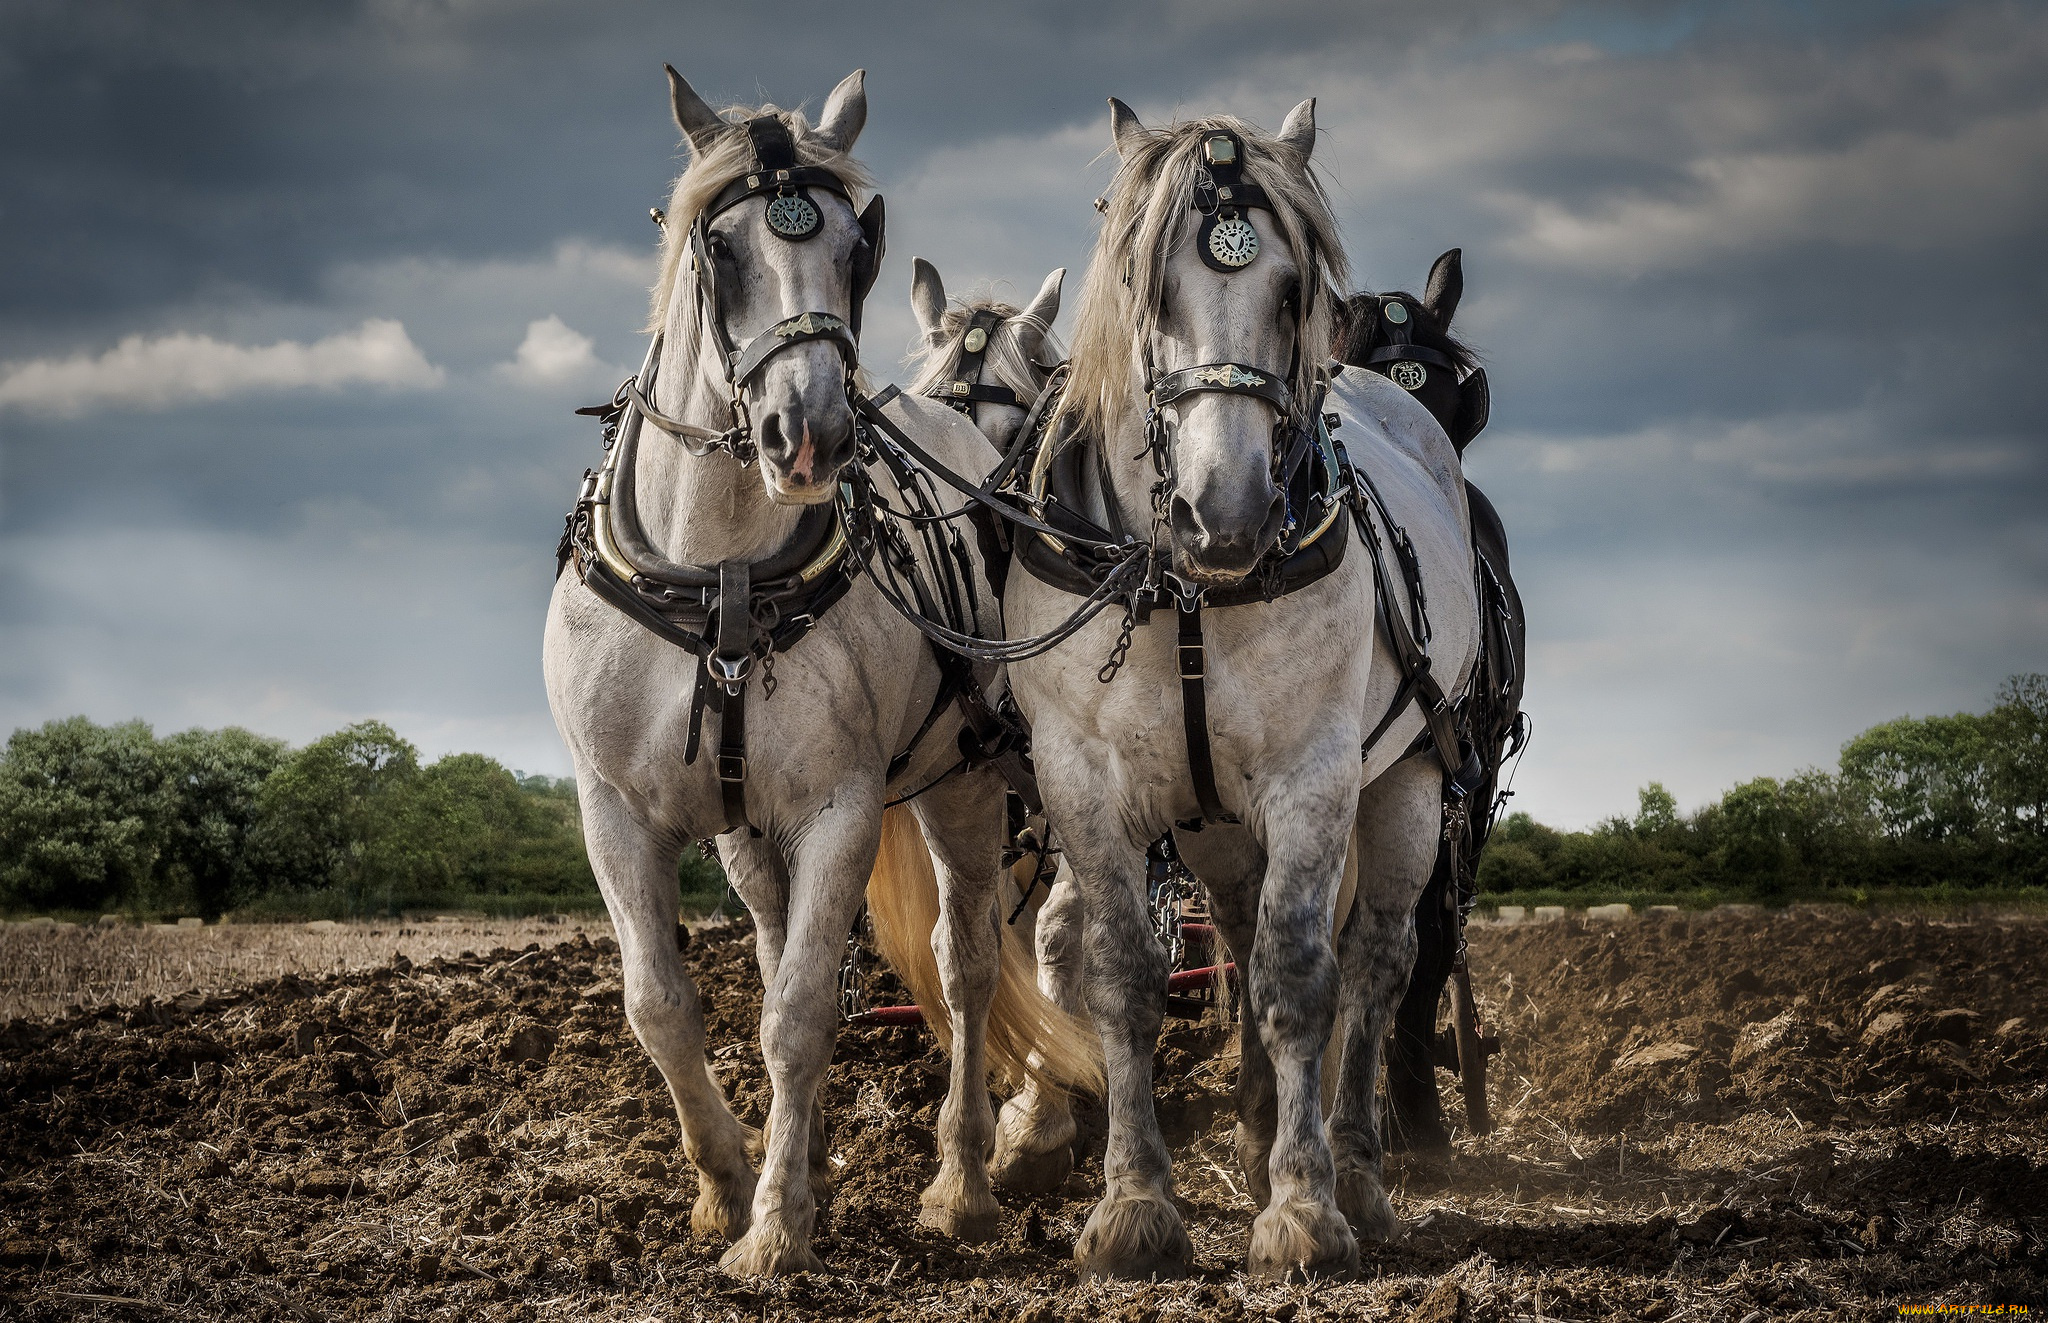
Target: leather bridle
(787,188)
(1395,329)
(964,388)
(1222,196)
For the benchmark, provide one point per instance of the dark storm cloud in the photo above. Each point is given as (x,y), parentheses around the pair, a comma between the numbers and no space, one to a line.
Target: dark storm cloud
(1758,287)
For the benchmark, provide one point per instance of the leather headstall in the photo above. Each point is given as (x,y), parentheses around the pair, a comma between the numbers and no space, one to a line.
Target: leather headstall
(965,389)
(794,217)
(736,615)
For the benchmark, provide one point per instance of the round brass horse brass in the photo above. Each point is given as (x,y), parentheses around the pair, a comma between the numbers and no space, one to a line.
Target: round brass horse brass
(792,216)
(1397,312)
(1408,375)
(976,341)
(1233,242)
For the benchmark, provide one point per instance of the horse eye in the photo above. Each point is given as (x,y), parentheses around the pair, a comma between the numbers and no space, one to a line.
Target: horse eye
(719,246)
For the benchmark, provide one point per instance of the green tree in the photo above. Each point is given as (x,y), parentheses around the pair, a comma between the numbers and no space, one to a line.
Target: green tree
(1924,776)
(2016,758)
(213,780)
(82,814)
(1656,811)
(341,813)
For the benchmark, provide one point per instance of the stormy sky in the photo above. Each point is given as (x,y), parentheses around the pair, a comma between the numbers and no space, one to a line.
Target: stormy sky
(297,299)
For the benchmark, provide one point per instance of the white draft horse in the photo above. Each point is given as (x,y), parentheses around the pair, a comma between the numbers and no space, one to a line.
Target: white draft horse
(1293,684)
(754,360)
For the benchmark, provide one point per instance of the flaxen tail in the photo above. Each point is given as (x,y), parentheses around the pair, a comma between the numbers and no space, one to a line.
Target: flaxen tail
(1028,1035)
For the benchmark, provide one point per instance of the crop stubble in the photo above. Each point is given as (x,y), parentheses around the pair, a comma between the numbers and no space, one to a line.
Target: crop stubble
(1817,1115)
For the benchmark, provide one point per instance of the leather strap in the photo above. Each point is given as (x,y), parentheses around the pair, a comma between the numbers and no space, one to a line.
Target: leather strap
(788,334)
(1223,378)
(1396,353)
(1193,663)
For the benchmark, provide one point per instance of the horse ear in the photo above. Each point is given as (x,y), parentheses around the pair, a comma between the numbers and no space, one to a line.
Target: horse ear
(698,121)
(927,298)
(1124,125)
(1044,310)
(1299,132)
(1446,286)
(846,111)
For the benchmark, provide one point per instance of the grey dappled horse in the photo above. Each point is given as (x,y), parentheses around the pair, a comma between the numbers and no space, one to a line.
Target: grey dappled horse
(1294,684)
(847,698)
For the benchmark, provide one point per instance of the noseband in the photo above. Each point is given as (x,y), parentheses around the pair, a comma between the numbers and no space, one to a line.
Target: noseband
(793,217)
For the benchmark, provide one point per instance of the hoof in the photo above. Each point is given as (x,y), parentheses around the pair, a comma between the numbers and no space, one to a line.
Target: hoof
(1135,1238)
(1301,1239)
(1365,1203)
(721,1211)
(1034,1148)
(769,1252)
(1252,1154)
(1033,1173)
(975,1226)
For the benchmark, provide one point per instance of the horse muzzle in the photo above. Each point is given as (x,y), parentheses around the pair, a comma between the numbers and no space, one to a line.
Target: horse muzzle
(802,452)
(1223,546)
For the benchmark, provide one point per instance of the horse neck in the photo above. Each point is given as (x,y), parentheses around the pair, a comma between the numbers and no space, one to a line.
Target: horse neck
(701,509)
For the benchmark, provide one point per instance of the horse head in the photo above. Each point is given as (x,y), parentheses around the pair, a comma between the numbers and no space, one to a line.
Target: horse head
(986,358)
(766,264)
(1212,283)
(1408,340)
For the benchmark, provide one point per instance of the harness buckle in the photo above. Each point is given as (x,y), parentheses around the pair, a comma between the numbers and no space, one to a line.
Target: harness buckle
(732,767)
(1193,661)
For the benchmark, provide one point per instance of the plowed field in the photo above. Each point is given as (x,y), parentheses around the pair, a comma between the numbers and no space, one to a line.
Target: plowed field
(1811,1115)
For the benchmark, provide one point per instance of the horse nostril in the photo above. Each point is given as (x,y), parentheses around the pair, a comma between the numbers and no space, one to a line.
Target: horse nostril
(770,438)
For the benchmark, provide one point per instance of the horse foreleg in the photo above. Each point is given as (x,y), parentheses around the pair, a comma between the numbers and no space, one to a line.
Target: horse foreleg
(1293,995)
(799,1022)
(1230,864)
(757,871)
(1400,817)
(1135,1231)
(1035,1134)
(962,821)
(637,874)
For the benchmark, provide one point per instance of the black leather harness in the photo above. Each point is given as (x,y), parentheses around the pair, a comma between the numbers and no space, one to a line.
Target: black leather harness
(734,617)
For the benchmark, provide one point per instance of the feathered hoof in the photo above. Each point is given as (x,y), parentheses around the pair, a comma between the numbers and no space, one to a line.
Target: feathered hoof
(1365,1203)
(723,1208)
(1252,1152)
(1298,1239)
(975,1226)
(1034,1150)
(1134,1237)
(1033,1173)
(769,1251)
(961,1205)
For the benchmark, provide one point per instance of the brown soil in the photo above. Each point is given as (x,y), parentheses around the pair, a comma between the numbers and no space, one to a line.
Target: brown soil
(1798,1116)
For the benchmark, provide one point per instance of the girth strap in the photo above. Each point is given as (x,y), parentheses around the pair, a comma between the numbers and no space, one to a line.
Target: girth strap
(1193,663)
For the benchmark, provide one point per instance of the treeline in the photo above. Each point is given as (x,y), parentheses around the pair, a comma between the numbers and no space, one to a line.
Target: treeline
(112,818)
(1955,802)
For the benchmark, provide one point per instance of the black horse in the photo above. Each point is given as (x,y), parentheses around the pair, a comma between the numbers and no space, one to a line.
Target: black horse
(1408,340)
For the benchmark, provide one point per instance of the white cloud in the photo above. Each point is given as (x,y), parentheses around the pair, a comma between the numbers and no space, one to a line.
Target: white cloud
(553,354)
(163,372)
